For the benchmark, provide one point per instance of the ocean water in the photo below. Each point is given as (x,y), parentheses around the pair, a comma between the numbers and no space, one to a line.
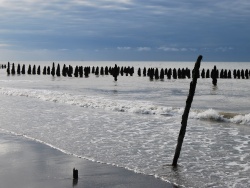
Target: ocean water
(134,123)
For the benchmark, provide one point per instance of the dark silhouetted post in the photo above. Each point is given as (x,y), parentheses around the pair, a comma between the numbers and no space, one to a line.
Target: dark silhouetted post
(29,69)
(81,71)
(151,73)
(179,73)
(75,173)
(70,71)
(58,70)
(34,69)
(234,73)
(44,70)
(122,71)
(162,74)
(229,75)
(214,76)
(13,71)
(144,71)
(38,70)
(246,74)
(203,73)
(102,71)
(186,111)
(115,72)
(225,73)
(183,73)
(18,69)
(64,73)
(238,74)
(76,71)
(106,70)
(8,68)
(208,74)
(139,71)
(156,74)
(97,71)
(188,73)
(48,70)
(242,74)
(169,73)
(131,71)
(174,74)
(86,72)
(23,69)
(53,70)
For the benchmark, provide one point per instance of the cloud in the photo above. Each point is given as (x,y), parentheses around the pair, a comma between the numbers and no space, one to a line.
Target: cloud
(223,49)
(2,45)
(124,48)
(125,25)
(167,49)
(175,49)
(143,49)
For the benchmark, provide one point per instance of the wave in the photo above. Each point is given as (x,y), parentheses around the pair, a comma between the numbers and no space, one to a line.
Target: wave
(214,115)
(139,107)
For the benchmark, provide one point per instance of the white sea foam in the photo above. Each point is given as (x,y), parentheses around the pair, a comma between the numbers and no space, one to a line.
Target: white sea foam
(209,114)
(241,119)
(139,107)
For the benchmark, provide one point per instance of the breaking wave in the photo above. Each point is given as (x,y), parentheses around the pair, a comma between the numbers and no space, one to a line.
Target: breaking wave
(139,107)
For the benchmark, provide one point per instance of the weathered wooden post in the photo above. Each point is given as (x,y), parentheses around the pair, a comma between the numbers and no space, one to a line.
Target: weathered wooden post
(18,69)
(115,72)
(13,72)
(162,74)
(156,74)
(34,69)
(53,70)
(214,76)
(186,111)
(38,70)
(44,70)
(75,173)
(58,70)
(8,69)
(29,69)
(23,69)
(76,71)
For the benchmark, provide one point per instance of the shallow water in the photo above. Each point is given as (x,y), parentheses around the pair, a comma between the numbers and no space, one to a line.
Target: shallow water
(134,123)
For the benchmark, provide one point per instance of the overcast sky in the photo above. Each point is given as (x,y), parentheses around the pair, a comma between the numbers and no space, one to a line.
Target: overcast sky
(163,30)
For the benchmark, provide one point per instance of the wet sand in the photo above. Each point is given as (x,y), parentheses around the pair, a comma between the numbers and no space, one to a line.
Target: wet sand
(29,164)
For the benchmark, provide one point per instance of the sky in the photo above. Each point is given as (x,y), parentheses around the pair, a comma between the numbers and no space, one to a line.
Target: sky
(124,30)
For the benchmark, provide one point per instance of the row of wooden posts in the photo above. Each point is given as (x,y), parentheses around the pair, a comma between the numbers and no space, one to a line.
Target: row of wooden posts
(152,73)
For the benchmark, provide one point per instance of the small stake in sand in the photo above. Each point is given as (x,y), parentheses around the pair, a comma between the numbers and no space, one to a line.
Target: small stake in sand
(75,173)
(186,111)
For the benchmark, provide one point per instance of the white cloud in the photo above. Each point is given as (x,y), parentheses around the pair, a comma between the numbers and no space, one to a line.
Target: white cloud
(124,48)
(167,49)
(2,45)
(143,49)
(223,49)
(174,49)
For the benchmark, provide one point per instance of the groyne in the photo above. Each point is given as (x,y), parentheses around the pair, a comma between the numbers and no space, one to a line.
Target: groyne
(115,71)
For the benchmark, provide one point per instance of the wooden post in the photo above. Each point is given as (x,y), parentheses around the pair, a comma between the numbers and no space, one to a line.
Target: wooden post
(214,76)
(75,173)
(186,111)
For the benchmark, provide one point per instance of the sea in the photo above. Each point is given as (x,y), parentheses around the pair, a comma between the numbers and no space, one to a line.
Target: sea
(134,122)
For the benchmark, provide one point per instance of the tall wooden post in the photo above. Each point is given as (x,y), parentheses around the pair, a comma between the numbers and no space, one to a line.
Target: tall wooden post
(189,101)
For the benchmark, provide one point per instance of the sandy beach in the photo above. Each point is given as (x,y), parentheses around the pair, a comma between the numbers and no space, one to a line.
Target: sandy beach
(29,164)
